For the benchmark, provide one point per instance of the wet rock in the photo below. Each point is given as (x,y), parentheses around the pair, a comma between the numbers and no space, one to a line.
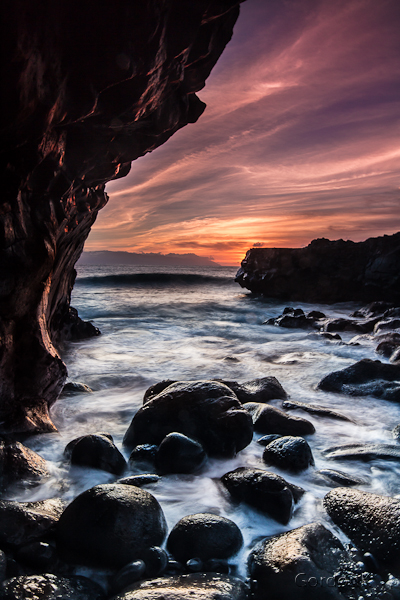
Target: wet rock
(110,525)
(388,343)
(289,453)
(97,451)
(204,536)
(194,565)
(50,587)
(341,324)
(267,439)
(24,522)
(395,357)
(396,433)
(143,455)
(313,409)
(371,521)
(206,411)
(269,419)
(264,491)
(19,464)
(340,478)
(74,387)
(257,390)
(156,561)
(329,336)
(387,325)
(366,377)
(373,309)
(198,586)
(140,480)
(39,555)
(294,318)
(132,572)
(283,565)
(179,454)
(75,329)
(364,452)
(157,388)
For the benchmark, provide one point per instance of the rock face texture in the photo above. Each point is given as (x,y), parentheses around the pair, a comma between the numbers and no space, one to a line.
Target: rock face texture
(326,271)
(87,89)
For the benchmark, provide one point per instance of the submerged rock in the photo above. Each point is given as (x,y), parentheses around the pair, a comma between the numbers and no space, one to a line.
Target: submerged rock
(269,419)
(20,464)
(313,409)
(97,451)
(24,522)
(177,453)
(204,536)
(364,452)
(264,491)
(196,586)
(110,525)
(289,453)
(206,411)
(50,587)
(371,521)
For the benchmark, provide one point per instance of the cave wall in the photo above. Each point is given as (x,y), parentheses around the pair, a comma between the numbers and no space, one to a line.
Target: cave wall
(87,87)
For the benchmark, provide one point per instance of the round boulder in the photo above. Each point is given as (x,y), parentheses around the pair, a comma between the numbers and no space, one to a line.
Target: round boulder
(179,454)
(206,411)
(289,453)
(110,525)
(204,536)
(269,419)
(97,451)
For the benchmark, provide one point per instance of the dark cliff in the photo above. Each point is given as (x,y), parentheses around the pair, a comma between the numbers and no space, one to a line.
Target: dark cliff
(326,271)
(87,87)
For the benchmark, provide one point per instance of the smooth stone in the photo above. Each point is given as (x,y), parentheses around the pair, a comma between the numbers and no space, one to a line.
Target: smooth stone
(195,586)
(281,564)
(269,419)
(143,454)
(206,411)
(267,439)
(313,409)
(263,490)
(371,521)
(74,387)
(19,464)
(204,536)
(140,480)
(156,561)
(289,453)
(177,453)
(263,389)
(364,452)
(194,565)
(132,572)
(340,478)
(25,522)
(50,587)
(110,525)
(97,451)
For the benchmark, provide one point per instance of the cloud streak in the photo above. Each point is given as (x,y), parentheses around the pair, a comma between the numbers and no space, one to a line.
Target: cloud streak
(299,140)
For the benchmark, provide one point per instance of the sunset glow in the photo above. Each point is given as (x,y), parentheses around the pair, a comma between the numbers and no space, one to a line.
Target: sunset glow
(300,139)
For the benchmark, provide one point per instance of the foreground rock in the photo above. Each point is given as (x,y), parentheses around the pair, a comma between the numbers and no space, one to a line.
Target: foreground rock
(371,521)
(204,536)
(326,271)
(206,411)
(50,587)
(199,586)
(263,490)
(24,522)
(269,419)
(110,525)
(289,453)
(97,451)
(365,378)
(20,464)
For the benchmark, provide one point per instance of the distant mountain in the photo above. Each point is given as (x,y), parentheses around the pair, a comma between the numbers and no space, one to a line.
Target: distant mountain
(144,259)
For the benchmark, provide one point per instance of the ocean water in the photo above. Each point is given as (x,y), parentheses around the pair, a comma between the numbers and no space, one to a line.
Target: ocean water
(191,324)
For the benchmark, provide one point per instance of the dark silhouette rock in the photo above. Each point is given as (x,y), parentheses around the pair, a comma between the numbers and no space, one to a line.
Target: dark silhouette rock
(206,411)
(19,464)
(156,389)
(269,419)
(340,478)
(257,390)
(110,525)
(25,522)
(132,572)
(295,318)
(198,586)
(204,536)
(289,453)
(156,561)
(74,116)
(38,555)
(263,490)
(267,439)
(97,451)
(366,377)
(371,521)
(51,587)
(364,452)
(319,411)
(326,271)
(143,455)
(179,454)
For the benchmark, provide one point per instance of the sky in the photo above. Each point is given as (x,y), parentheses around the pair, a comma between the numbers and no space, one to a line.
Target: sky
(299,140)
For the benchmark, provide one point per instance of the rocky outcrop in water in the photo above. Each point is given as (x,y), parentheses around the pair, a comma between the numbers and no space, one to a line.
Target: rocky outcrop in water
(326,271)
(86,90)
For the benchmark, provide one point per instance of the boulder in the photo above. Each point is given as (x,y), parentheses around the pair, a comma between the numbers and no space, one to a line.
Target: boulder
(143,455)
(293,318)
(50,587)
(204,536)
(264,491)
(263,389)
(97,451)
(196,586)
(179,454)
(110,525)
(371,521)
(313,409)
(24,522)
(289,453)
(269,419)
(206,411)
(157,388)
(20,464)
(364,452)
(366,377)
